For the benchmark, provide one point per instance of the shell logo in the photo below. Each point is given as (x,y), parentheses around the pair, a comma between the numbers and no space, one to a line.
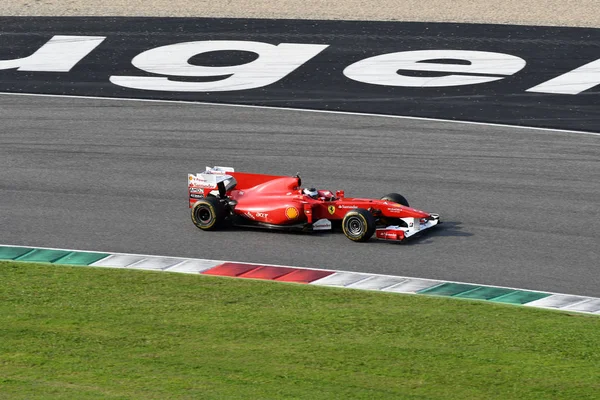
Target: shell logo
(291,212)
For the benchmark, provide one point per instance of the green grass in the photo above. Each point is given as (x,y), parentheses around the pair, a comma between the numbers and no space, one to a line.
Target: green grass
(92,333)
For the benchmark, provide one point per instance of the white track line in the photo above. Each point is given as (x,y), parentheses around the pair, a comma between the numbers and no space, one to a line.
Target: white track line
(308,110)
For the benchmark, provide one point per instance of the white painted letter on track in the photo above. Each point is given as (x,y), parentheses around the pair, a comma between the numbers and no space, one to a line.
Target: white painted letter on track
(573,82)
(59,54)
(274,62)
(386,69)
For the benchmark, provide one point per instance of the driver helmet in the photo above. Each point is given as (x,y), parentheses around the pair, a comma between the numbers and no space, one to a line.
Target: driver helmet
(312,192)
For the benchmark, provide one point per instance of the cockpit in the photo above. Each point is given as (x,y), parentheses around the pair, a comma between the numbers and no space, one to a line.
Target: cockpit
(323,195)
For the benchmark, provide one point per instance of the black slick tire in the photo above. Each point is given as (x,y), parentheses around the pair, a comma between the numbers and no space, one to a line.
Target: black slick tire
(358,225)
(208,213)
(396,198)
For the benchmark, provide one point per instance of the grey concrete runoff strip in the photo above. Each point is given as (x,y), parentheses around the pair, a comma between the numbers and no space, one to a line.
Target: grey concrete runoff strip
(340,279)
(304,110)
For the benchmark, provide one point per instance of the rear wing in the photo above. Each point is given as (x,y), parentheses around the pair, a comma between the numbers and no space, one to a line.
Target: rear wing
(215,180)
(210,178)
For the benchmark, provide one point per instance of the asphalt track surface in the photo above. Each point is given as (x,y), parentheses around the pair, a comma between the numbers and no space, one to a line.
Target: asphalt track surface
(520,206)
(322,82)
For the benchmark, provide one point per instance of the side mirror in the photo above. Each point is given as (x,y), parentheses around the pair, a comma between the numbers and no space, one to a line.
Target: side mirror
(339,194)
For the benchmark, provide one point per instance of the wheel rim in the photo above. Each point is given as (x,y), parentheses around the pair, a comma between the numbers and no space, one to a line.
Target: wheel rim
(203,215)
(354,226)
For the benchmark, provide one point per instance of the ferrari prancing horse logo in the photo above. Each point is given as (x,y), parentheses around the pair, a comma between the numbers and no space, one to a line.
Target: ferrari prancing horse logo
(331,210)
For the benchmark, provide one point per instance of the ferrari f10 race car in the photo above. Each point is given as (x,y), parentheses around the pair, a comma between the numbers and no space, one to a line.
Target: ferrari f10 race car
(220,196)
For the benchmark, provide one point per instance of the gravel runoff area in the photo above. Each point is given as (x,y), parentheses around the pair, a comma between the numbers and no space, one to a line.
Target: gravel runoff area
(585,13)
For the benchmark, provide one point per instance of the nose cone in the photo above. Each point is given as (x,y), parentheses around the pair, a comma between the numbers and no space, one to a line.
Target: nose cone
(414,213)
(401,211)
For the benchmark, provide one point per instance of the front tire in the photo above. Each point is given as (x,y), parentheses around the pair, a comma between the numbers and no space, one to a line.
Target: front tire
(208,214)
(358,225)
(396,198)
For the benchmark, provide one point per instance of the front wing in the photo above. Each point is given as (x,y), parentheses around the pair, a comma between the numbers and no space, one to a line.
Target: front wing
(415,226)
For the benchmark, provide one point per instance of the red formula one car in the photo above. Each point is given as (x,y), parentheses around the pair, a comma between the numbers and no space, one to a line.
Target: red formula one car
(220,196)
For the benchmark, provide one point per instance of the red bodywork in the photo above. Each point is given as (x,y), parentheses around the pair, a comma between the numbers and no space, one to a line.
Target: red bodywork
(278,201)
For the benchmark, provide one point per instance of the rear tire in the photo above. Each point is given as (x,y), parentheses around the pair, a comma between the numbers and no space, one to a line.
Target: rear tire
(358,225)
(208,213)
(396,198)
